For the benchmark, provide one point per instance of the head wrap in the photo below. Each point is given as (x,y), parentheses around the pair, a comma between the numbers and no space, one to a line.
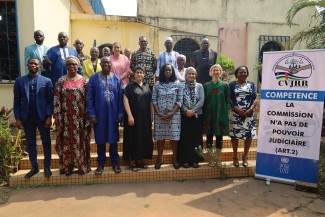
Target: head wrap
(73,58)
(189,97)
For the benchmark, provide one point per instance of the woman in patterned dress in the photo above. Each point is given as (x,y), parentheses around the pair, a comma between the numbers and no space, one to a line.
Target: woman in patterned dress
(167,99)
(70,114)
(215,110)
(242,120)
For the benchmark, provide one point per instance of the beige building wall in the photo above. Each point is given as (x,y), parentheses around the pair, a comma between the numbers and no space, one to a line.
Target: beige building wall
(50,16)
(127,34)
(208,17)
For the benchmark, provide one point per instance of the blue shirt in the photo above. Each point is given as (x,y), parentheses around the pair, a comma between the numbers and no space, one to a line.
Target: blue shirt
(32,83)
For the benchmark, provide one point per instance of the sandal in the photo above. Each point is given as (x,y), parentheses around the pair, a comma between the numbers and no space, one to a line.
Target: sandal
(245,163)
(235,162)
(142,165)
(134,168)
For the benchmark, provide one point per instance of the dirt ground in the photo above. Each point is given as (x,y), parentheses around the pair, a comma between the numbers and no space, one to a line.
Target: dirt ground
(244,197)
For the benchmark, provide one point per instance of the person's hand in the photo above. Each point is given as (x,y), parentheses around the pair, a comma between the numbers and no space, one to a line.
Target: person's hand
(93,121)
(48,122)
(131,121)
(248,112)
(19,124)
(169,116)
(161,116)
(47,62)
(240,112)
(189,113)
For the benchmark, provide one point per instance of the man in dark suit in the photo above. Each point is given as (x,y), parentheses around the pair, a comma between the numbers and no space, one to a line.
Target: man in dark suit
(38,50)
(33,108)
(202,61)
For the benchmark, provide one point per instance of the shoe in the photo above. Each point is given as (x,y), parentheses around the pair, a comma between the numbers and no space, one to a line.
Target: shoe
(68,172)
(235,162)
(195,165)
(134,168)
(158,165)
(32,172)
(176,165)
(245,163)
(186,165)
(99,170)
(117,168)
(47,172)
(142,166)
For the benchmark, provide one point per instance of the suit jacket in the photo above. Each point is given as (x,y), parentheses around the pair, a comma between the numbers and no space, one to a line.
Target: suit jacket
(32,51)
(88,69)
(44,98)
(202,69)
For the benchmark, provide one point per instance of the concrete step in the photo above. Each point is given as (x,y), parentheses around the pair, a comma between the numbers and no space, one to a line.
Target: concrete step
(93,146)
(167,172)
(226,155)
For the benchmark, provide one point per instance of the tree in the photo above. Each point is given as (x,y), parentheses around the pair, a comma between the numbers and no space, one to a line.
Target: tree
(314,36)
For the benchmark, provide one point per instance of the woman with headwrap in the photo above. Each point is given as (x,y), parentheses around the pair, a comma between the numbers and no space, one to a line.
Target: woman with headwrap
(71,120)
(192,120)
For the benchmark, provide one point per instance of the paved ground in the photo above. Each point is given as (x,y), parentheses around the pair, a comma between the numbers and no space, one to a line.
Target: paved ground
(245,197)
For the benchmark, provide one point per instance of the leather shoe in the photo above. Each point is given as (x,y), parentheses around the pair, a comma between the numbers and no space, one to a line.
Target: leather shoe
(99,170)
(32,172)
(158,165)
(117,168)
(47,172)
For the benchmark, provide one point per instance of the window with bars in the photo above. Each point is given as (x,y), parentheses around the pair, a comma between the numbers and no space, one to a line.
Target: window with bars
(9,69)
(187,44)
(271,43)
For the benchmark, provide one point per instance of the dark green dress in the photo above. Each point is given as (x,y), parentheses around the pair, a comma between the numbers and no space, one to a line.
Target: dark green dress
(215,109)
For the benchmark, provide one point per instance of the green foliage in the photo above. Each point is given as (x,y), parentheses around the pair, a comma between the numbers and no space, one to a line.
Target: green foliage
(9,147)
(314,36)
(321,169)
(228,68)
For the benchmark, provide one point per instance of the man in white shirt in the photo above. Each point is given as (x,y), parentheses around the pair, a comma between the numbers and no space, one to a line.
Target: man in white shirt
(169,56)
(37,50)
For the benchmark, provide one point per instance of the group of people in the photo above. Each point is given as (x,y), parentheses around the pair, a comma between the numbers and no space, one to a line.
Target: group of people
(133,91)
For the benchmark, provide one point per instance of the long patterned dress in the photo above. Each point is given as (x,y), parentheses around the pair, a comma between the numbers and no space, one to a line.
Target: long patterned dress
(73,128)
(215,109)
(243,97)
(166,96)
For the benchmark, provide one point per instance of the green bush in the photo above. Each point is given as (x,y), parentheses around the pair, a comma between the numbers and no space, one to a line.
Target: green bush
(228,68)
(10,152)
